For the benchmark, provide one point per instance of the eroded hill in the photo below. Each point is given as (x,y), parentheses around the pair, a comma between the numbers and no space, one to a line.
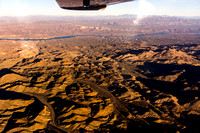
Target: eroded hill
(98,84)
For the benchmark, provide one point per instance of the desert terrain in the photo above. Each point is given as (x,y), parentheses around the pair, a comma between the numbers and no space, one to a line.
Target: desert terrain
(100,74)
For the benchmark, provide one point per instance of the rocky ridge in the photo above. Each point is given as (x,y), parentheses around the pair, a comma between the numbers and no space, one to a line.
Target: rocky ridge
(100,88)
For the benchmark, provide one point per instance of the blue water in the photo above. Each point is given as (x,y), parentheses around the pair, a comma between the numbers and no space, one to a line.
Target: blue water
(64,37)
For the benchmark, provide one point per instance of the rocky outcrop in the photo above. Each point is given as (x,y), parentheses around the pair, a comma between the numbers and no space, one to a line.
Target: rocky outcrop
(100,84)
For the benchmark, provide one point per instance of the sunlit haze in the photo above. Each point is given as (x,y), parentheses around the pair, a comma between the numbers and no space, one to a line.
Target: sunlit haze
(138,7)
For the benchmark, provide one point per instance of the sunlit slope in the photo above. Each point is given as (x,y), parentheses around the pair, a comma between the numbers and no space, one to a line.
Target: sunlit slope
(101,88)
(100,83)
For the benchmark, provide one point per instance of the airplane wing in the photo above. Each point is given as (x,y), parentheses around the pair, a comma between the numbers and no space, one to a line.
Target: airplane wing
(87,4)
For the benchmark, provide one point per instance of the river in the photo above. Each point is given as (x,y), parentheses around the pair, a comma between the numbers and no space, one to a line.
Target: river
(64,37)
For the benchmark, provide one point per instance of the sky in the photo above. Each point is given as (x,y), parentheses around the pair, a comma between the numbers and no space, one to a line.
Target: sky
(138,7)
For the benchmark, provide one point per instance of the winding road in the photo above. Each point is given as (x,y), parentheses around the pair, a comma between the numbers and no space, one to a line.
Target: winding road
(53,125)
(104,92)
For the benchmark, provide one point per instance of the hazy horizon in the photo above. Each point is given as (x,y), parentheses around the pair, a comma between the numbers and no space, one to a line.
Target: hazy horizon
(98,16)
(139,7)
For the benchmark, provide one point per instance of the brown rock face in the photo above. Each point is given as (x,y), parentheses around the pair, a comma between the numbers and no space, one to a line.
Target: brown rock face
(100,84)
